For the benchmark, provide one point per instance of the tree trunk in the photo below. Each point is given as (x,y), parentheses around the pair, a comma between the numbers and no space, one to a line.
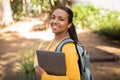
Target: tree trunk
(1,12)
(24,6)
(28,6)
(7,12)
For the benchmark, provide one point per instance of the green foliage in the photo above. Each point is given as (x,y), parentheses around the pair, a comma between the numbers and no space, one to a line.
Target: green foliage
(109,24)
(28,65)
(85,15)
(103,21)
(16,6)
(19,17)
(28,69)
(21,11)
(37,2)
(39,5)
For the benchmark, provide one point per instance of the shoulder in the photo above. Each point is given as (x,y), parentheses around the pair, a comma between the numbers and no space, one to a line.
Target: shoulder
(67,42)
(69,46)
(70,50)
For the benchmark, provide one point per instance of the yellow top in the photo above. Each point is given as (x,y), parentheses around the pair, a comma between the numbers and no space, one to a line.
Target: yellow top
(72,68)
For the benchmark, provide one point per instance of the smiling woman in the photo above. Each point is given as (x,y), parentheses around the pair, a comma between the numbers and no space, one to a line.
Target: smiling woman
(63,28)
(59,22)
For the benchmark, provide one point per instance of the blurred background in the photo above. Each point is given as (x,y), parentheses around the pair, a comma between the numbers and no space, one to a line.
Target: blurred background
(24,27)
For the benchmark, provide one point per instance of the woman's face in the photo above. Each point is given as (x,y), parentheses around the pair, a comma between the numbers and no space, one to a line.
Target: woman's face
(59,21)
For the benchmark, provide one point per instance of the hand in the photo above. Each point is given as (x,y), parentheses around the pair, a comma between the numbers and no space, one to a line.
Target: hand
(39,71)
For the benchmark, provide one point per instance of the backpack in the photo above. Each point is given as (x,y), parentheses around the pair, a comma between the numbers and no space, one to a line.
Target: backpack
(84,60)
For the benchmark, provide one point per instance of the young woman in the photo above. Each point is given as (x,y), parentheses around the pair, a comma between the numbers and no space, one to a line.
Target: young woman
(62,27)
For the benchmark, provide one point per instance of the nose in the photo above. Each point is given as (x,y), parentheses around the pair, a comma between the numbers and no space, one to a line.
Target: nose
(54,20)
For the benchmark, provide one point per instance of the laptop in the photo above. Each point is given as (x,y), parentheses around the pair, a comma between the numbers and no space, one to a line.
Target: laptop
(52,62)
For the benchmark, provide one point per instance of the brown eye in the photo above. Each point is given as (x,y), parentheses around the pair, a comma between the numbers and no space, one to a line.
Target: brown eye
(52,17)
(61,19)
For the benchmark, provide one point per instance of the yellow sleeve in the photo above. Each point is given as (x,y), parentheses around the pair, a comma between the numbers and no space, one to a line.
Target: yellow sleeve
(72,69)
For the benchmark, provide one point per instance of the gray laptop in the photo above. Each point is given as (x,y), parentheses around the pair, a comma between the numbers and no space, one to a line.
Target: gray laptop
(52,62)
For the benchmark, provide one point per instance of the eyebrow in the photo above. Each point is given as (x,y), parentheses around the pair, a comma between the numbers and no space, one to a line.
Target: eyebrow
(59,16)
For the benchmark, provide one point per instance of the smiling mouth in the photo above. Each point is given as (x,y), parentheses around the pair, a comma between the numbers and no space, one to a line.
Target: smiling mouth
(54,26)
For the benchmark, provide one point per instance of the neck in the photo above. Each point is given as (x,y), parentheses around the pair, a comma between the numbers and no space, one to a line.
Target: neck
(61,36)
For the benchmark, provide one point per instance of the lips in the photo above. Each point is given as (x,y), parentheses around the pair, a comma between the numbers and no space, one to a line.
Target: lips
(54,28)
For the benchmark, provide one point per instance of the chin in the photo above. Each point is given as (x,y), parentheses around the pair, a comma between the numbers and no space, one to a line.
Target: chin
(54,31)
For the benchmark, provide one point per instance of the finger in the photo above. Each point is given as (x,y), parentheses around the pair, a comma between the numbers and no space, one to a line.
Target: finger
(41,69)
(35,65)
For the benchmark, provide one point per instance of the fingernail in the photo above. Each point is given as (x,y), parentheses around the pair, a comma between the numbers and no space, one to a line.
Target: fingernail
(35,65)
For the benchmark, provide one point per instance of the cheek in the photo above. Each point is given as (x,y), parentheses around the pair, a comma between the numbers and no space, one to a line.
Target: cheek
(65,25)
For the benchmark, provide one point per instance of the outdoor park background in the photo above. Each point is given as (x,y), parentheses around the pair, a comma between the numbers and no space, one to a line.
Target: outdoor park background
(24,27)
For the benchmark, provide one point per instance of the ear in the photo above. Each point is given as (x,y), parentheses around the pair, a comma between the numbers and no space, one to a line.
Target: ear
(69,25)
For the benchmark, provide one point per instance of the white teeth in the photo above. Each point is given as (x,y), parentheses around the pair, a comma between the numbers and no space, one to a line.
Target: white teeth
(55,26)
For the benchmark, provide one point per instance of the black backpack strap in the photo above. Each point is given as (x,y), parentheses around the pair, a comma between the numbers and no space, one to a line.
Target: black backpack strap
(59,47)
